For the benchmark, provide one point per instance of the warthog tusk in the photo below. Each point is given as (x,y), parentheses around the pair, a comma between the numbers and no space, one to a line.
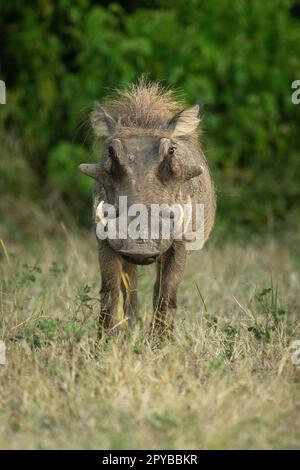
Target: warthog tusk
(99,214)
(180,220)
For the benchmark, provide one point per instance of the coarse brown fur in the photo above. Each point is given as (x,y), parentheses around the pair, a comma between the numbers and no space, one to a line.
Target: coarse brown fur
(145,106)
(140,126)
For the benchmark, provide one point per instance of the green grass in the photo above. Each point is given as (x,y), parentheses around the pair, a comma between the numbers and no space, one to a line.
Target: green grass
(226,380)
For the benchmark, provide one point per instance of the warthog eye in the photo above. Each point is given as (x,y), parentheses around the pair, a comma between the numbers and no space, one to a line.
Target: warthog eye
(111,150)
(171,150)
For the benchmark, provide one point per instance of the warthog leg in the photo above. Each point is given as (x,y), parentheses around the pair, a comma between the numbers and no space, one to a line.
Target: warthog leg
(129,289)
(169,274)
(111,268)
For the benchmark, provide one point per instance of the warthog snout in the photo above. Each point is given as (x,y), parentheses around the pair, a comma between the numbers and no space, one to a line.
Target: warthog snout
(139,254)
(137,239)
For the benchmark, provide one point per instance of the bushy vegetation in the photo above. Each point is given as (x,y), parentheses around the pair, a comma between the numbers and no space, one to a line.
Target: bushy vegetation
(236,58)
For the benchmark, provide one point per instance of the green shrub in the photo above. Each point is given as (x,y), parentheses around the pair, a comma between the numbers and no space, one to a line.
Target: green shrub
(62,170)
(16,175)
(237,58)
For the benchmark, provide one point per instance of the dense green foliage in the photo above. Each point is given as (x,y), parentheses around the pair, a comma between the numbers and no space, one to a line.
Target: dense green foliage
(237,58)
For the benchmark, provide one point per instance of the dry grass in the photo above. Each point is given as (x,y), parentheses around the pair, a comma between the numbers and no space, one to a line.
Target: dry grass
(225,381)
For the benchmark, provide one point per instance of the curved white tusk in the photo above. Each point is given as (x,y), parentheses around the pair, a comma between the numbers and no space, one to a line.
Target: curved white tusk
(180,220)
(99,214)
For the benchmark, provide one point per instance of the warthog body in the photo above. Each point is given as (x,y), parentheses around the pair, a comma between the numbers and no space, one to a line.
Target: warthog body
(152,156)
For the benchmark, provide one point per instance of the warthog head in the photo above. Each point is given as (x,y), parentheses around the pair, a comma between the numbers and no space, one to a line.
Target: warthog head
(146,161)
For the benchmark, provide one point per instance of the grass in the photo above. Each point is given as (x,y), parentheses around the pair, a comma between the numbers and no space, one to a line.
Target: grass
(226,380)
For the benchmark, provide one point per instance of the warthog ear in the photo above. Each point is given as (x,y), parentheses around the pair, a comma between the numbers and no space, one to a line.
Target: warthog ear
(102,123)
(93,170)
(185,122)
(183,171)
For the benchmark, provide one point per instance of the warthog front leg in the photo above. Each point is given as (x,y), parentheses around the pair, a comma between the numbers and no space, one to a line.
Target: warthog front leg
(169,274)
(129,289)
(111,268)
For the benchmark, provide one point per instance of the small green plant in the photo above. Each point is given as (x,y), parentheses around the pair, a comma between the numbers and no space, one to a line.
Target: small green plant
(259,332)
(211,320)
(49,327)
(271,314)
(28,275)
(46,330)
(268,301)
(83,297)
(231,333)
(75,330)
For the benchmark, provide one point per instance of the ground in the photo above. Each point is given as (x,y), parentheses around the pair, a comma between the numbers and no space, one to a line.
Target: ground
(226,379)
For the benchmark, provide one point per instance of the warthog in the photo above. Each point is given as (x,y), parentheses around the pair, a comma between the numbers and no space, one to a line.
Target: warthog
(151,155)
